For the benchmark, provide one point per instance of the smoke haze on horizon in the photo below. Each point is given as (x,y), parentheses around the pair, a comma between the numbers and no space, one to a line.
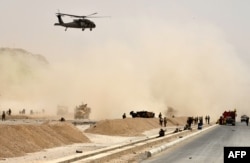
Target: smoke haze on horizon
(141,60)
(195,72)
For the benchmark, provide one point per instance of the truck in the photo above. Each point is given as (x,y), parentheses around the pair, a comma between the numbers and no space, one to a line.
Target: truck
(243,118)
(228,117)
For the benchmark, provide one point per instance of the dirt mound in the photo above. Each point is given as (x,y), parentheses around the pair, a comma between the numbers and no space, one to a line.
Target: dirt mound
(20,116)
(16,140)
(130,126)
(178,121)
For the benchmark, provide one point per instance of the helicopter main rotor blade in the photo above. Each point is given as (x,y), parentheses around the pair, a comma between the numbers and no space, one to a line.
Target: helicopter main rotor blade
(91,14)
(62,14)
(98,16)
(76,16)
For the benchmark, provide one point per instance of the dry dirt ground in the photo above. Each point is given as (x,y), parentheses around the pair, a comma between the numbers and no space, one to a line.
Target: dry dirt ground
(29,139)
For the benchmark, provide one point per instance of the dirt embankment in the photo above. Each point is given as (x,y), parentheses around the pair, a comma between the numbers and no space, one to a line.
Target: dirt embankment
(23,135)
(131,126)
(17,140)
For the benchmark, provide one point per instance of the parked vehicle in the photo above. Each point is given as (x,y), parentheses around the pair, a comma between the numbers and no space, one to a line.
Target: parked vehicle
(243,118)
(228,117)
(142,114)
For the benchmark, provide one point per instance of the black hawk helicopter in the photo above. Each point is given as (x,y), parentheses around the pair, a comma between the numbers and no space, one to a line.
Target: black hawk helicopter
(77,23)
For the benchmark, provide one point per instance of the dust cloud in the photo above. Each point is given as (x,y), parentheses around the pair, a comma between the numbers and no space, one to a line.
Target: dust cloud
(192,69)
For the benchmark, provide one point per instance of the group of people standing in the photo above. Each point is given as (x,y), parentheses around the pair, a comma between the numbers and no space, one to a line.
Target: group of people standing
(162,121)
(207,118)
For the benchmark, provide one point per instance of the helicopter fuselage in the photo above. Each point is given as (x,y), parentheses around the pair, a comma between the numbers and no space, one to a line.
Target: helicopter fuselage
(77,23)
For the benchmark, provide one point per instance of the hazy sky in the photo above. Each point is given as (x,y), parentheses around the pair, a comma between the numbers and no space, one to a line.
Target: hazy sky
(189,54)
(28,24)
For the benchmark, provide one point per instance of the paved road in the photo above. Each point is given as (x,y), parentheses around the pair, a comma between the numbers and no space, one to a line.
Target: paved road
(207,146)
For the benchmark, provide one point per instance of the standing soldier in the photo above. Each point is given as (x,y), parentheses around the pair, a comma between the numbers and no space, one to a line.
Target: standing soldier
(247,120)
(201,120)
(189,121)
(160,116)
(160,119)
(9,112)
(124,116)
(165,121)
(220,120)
(208,119)
(197,119)
(3,116)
